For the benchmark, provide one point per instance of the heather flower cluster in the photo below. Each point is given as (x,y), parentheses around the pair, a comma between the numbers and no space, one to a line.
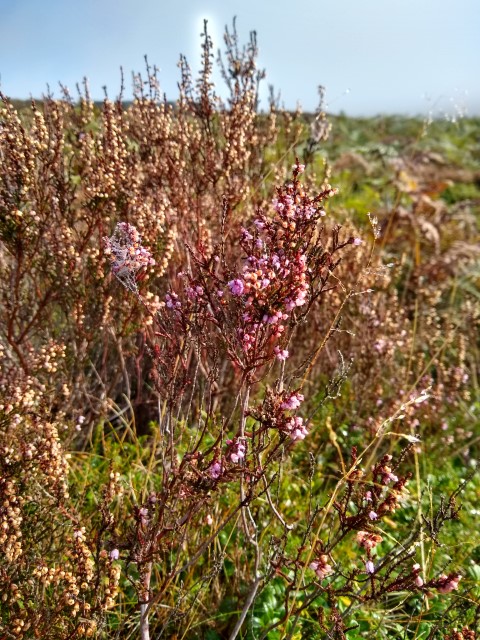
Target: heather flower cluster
(237,448)
(368,540)
(274,413)
(292,401)
(383,495)
(231,461)
(278,276)
(285,269)
(446,584)
(322,566)
(295,428)
(215,470)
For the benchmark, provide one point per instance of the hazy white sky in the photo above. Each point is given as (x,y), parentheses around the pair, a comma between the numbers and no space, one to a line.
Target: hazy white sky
(375,56)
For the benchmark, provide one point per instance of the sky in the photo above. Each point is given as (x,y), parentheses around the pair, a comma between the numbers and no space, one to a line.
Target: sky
(373,56)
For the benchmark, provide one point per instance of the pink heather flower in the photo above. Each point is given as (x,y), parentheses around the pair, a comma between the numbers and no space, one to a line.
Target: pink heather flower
(143,513)
(172,301)
(356,242)
(368,540)
(361,535)
(209,520)
(418,581)
(238,449)
(372,515)
(368,496)
(321,567)
(299,168)
(246,235)
(241,450)
(290,305)
(293,401)
(281,354)
(114,554)
(296,428)
(300,299)
(370,567)
(389,477)
(278,206)
(237,287)
(448,583)
(215,470)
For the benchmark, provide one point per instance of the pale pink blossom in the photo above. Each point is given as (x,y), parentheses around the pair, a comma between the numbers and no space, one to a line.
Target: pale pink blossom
(237,450)
(368,540)
(172,301)
(281,354)
(293,401)
(419,581)
(321,567)
(370,567)
(296,428)
(237,287)
(215,470)
(449,583)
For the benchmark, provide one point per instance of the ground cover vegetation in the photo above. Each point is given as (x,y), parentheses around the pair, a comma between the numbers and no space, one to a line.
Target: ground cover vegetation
(239,367)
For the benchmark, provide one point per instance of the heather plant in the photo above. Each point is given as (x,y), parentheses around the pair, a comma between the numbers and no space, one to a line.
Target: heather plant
(225,390)
(288,244)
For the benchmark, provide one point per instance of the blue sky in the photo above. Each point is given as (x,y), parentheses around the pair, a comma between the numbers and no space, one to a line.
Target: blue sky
(374,56)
